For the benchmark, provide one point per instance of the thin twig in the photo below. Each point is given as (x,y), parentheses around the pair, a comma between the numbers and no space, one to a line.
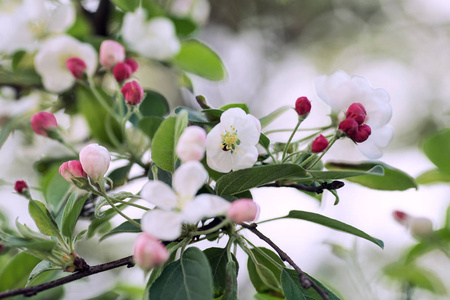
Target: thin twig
(334,185)
(88,271)
(305,281)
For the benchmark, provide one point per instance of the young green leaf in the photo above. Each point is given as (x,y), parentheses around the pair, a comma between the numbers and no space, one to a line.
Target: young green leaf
(433,176)
(44,221)
(331,223)
(266,120)
(119,176)
(437,148)
(231,270)
(39,269)
(127,5)
(14,275)
(337,173)
(123,228)
(149,125)
(187,278)
(242,106)
(153,105)
(218,260)
(71,213)
(264,273)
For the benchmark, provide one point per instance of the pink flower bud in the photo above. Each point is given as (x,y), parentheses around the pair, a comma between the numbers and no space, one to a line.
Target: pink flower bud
(349,126)
(192,144)
(302,106)
(20,186)
(122,71)
(149,252)
(243,210)
(356,111)
(320,143)
(111,53)
(401,217)
(43,122)
(132,63)
(421,227)
(95,161)
(132,92)
(362,134)
(71,169)
(76,66)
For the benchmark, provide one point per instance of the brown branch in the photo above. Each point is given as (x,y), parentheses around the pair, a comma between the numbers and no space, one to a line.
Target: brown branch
(334,185)
(305,281)
(88,271)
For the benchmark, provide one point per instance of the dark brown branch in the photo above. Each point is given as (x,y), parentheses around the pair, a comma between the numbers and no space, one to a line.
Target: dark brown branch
(88,271)
(334,185)
(305,281)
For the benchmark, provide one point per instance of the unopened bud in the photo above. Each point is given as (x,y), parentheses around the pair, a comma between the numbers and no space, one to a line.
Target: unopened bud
(43,122)
(243,210)
(192,144)
(132,92)
(149,252)
(20,186)
(95,161)
(348,126)
(302,106)
(132,63)
(76,66)
(122,71)
(401,217)
(71,169)
(356,111)
(362,134)
(111,53)
(320,143)
(421,227)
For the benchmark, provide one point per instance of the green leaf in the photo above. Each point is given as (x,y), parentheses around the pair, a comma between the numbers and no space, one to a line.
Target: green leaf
(39,269)
(36,243)
(149,125)
(194,116)
(266,120)
(433,176)
(392,180)
(20,77)
(437,149)
(197,58)
(119,176)
(54,186)
(123,228)
(331,223)
(231,270)
(187,278)
(15,274)
(264,140)
(163,150)
(347,173)
(71,213)
(260,296)
(242,106)
(127,5)
(293,290)
(218,260)
(184,27)
(44,221)
(417,276)
(243,180)
(264,273)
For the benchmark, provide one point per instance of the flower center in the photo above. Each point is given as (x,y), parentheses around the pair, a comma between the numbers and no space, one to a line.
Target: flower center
(230,140)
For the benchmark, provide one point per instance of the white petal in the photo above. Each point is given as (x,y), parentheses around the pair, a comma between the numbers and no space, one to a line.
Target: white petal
(189,178)
(244,157)
(163,225)
(370,149)
(383,136)
(160,194)
(216,158)
(204,206)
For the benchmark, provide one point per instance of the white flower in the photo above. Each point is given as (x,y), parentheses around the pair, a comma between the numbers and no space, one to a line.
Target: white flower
(24,22)
(155,38)
(180,204)
(197,10)
(231,144)
(192,144)
(340,91)
(50,61)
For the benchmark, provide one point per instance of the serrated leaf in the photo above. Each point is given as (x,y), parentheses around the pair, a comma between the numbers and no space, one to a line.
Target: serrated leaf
(391,179)
(243,180)
(125,227)
(187,278)
(218,260)
(41,216)
(197,58)
(71,214)
(437,149)
(266,120)
(331,223)
(14,275)
(264,273)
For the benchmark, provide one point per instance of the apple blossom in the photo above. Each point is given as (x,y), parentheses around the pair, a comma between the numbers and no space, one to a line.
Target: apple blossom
(43,122)
(341,91)
(95,161)
(122,71)
(180,204)
(50,61)
(243,210)
(76,66)
(20,186)
(111,53)
(419,227)
(192,144)
(132,92)
(149,252)
(319,144)
(231,144)
(71,169)
(155,38)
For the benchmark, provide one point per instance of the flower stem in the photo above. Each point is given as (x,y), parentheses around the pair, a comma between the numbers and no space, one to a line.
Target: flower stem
(332,141)
(210,230)
(290,139)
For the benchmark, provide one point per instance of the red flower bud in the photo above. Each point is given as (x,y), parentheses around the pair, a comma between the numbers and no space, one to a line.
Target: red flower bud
(132,63)
(42,122)
(122,71)
(76,66)
(132,92)
(356,111)
(401,217)
(320,143)
(20,186)
(361,134)
(302,106)
(349,126)
(71,169)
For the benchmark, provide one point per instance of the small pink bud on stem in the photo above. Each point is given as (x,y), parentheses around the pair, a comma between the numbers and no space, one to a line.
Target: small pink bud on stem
(356,111)
(303,107)
(132,63)
(149,252)
(122,72)
(95,161)
(192,144)
(132,92)
(71,169)
(20,186)
(419,227)
(319,144)
(43,122)
(111,53)
(243,210)
(76,66)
